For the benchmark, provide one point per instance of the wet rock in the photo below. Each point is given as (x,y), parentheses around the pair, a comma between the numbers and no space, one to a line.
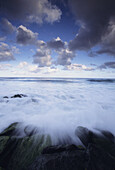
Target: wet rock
(104,140)
(84,134)
(109,136)
(99,159)
(10,130)
(19,96)
(34,151)
(5,97)
(3,142)
(30,130)
(73,158)
(60,148)
(20,152)
(61,158)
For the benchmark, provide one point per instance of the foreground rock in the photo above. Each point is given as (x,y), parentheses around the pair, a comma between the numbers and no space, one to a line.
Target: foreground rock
(18,152)
(15,96)
(34,151)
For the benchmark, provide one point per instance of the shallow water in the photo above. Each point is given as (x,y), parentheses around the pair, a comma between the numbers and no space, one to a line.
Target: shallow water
(58,106)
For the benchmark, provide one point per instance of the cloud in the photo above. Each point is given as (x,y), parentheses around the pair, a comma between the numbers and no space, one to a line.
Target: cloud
(5,67)
(2,38)
(108,41)
(6,27)
(33,68)
(36,11)
(50,70)
(56,44)
(6,53)
(41,44)
(107,65)
(43,54)
(64,57)
(93,18)
(78,67)
(42,57)
(22,64)
(15,50)
(25,36)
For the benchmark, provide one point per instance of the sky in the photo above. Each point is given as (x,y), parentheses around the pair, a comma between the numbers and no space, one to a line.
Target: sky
(57,38)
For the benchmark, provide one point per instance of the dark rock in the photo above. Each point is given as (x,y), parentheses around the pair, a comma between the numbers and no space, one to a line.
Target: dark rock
(99,159)
(62,160)
(35,151)
(104,140)
(109,136)
(3,142)
(18,151)
(19,96)
(30,130)
(5,97)
(84,135)
(58,149)
(26,151)
(11,130)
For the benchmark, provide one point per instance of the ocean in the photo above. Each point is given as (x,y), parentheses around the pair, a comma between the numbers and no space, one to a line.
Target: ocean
(58,105)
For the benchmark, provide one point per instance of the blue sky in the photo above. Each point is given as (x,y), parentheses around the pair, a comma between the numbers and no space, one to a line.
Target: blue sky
(66,38)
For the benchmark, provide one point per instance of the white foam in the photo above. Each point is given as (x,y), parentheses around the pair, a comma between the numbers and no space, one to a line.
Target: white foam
(58,108)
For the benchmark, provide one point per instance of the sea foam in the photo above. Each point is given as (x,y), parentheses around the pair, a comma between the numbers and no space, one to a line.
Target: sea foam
(58,107)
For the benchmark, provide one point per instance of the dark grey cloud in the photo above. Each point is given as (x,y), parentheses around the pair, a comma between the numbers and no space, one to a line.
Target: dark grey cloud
(6,27)
(30,10)
(6,53)
(107,65)
(25,36)
(106,50)
(93,17)
(56,44)
(108,41)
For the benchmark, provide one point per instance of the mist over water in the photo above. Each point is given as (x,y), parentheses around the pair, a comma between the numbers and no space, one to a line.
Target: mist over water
(58,106)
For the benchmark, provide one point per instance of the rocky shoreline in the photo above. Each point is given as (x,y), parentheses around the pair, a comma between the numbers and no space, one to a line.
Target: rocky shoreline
(34,151)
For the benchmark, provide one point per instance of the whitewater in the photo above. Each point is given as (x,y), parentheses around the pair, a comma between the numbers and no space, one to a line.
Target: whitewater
(58,105)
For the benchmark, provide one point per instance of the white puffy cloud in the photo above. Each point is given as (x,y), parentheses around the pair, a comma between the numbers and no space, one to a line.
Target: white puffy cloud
(64,57)
(56,44)
(26,36)
(42,57)
(79,67)
(22,64)
(6,53)
(41,44)
(5,66)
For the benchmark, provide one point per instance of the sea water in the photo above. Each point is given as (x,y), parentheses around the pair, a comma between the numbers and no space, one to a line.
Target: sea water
(58,105)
